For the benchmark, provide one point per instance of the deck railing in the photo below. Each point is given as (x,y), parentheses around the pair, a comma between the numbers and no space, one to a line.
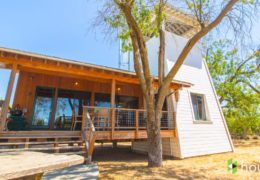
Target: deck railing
(88,134)
(114,119)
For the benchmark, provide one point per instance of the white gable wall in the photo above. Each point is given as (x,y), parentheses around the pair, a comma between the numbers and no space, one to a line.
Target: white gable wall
(194,139)
(200,139)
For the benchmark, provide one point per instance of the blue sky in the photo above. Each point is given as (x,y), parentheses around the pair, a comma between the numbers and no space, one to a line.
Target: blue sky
(59,28)
(54,27)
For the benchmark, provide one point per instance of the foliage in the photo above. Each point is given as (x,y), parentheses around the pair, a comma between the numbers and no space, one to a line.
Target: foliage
(137,21)
(237,85)
(143,12)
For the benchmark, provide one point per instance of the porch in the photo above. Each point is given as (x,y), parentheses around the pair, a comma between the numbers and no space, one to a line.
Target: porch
(54,96)
(111,124)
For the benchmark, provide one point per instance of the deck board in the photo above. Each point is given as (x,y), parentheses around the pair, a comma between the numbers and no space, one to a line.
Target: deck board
(101,135)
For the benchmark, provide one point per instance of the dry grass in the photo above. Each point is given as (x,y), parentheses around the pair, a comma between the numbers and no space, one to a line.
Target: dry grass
(121,163)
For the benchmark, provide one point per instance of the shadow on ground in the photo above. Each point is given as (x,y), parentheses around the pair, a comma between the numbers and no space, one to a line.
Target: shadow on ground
(79,172)
(115,162)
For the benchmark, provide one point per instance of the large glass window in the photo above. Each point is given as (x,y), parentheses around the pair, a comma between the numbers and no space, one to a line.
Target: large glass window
(102,100)
(128,102)
(43,107)
(69,104)
(198,104)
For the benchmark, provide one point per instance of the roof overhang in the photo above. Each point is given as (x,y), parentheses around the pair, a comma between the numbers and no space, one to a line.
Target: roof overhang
(33,62)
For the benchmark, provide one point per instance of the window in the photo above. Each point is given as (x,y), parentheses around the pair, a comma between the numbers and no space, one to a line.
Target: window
(43,107)
(127,102)
(102,100)
(199,108)
(69,103)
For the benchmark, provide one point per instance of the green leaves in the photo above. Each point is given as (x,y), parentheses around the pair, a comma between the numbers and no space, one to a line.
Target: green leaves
(146,16)
(232,77)
(248,1)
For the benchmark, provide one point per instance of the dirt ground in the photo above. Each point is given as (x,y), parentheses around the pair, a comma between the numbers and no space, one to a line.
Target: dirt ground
(121,163)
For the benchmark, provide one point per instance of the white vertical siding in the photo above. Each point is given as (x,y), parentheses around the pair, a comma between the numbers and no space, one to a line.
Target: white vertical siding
(200,139)
(192,139)
(168,146)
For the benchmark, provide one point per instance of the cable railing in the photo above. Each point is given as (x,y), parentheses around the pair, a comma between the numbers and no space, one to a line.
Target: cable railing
(115,119)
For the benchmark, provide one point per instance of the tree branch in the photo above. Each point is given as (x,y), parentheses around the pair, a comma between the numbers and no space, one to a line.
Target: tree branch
(127,11)
(137,65)
(190,44)
(161,56)
(242,64)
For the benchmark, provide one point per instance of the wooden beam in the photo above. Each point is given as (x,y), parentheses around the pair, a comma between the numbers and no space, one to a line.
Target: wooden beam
(113,93)
(112,100)
(7,98)
(39,65)
(27,63)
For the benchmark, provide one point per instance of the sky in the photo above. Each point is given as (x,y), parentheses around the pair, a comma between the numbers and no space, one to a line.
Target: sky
(59,28)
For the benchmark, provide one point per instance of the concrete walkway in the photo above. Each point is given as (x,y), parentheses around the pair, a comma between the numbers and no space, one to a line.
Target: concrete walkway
(79,172)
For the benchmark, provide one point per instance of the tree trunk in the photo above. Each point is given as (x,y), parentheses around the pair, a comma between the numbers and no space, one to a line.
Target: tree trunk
(154,138)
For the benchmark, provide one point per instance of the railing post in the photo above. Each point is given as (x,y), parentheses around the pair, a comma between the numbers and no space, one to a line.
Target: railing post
(112,122)
(136,123)
(84,123)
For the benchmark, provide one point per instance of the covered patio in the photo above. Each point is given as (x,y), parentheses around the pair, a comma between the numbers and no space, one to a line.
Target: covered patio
(52,94)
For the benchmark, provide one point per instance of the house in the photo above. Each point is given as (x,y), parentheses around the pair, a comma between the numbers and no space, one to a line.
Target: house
(55,94)
(201,128)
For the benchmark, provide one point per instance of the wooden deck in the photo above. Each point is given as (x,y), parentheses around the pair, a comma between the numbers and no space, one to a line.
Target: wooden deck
(101,135)
(97,125)
(67,142)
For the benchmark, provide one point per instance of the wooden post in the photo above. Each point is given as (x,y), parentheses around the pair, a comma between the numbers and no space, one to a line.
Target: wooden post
(84,117)
(112,102)
(114,144)
(26,145)
(7,98)
(136,123)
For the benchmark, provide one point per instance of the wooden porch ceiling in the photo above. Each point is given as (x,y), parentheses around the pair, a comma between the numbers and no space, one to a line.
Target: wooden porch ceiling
(31,62)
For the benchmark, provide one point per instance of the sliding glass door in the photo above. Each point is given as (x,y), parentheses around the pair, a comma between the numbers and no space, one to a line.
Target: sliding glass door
(69,106)
(43,106)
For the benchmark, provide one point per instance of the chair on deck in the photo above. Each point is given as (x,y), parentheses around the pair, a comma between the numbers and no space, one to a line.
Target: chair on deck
(103,117)
(75,120)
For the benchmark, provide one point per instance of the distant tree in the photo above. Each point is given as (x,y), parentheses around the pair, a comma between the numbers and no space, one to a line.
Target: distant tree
(237,85)
(139,19)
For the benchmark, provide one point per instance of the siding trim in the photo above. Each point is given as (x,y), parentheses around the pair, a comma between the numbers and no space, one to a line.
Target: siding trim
(219,107)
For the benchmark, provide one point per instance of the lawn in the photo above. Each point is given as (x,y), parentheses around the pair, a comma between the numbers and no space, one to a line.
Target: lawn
(121,163)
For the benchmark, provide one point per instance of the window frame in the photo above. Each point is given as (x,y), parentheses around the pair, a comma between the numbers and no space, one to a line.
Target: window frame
(207,114)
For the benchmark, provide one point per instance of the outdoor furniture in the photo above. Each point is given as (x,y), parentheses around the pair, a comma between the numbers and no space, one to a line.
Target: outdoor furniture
(16,123)
(103,118)
(32,165)
(75,120)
